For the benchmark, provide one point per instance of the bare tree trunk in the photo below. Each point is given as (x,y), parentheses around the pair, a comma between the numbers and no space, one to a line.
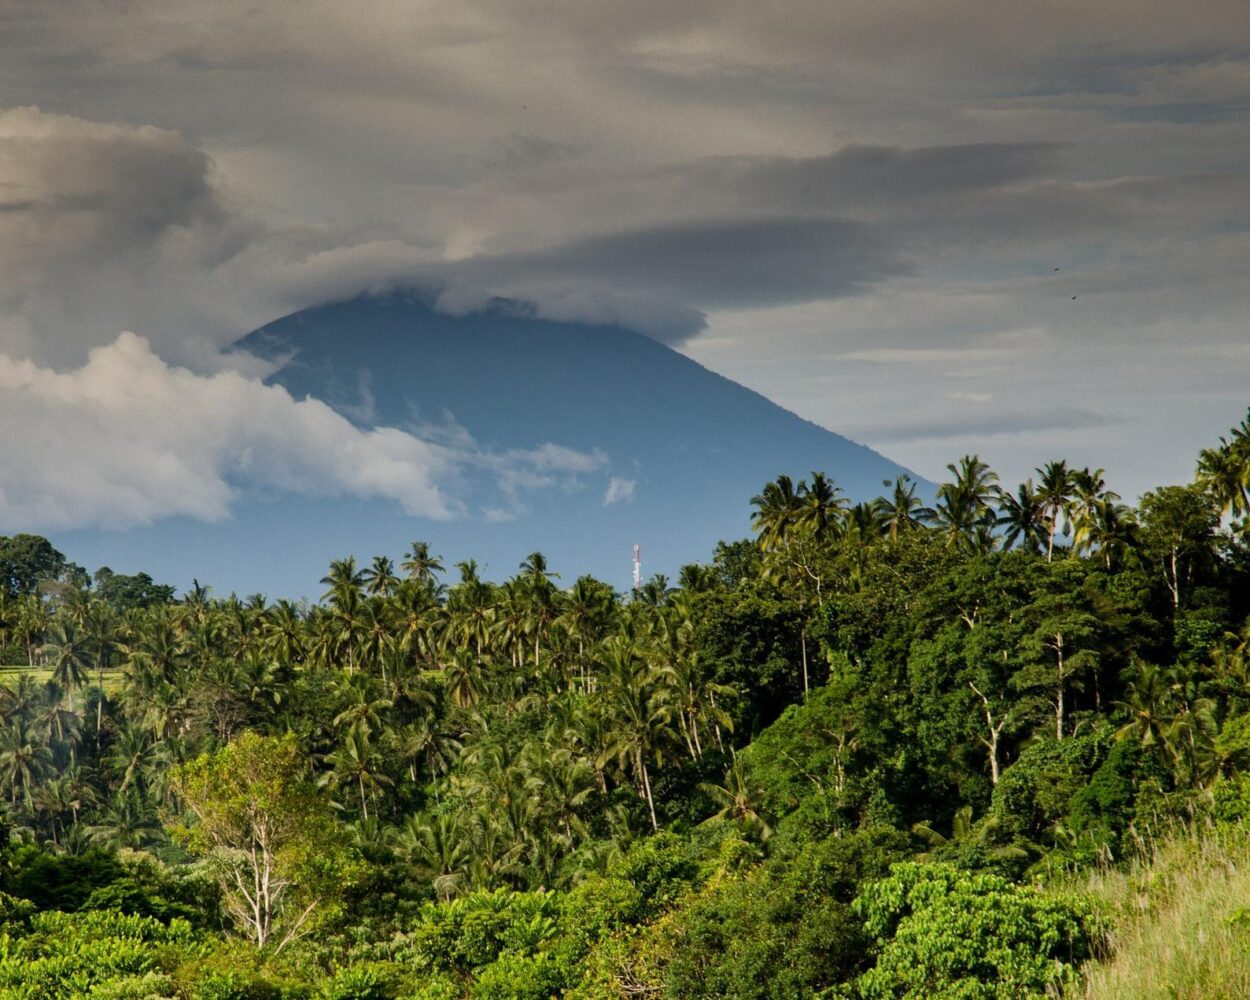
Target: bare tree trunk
(995,728)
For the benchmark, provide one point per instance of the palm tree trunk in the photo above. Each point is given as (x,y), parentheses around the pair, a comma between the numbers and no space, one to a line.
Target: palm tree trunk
(99,706)
(716,725)
(1059,688)
(646,786)
(803,646)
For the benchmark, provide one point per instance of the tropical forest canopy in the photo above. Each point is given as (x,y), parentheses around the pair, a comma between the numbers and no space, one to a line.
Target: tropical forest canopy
(881,749)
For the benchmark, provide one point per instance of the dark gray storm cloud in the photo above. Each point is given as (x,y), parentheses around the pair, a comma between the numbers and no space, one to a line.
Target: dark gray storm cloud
(714,264)
(878,174)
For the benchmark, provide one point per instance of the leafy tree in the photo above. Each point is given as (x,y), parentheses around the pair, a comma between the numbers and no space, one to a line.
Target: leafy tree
(25,562)
(1178,536)
(277,855)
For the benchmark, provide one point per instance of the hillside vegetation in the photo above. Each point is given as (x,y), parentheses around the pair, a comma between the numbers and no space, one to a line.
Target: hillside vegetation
(993,748)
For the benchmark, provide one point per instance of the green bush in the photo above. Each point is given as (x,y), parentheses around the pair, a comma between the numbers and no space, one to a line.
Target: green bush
(944,934)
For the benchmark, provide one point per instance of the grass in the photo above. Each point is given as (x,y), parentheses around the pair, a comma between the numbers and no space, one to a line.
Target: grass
(10,674)
(1181,921)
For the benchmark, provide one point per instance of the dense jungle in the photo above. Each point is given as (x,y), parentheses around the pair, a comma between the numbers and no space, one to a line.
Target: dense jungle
(994,742)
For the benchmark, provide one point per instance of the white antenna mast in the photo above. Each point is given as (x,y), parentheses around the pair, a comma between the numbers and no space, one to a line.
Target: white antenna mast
(637,569)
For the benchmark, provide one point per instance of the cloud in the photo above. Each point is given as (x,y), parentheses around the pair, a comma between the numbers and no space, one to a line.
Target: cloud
(988,422)
(127,439)
(92,217)
(771,192)
(619,491)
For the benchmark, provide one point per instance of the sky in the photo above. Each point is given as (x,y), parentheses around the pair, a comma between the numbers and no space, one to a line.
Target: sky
(943,228)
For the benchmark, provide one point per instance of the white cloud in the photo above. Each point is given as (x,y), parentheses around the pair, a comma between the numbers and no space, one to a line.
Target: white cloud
(127,439)
(619,491)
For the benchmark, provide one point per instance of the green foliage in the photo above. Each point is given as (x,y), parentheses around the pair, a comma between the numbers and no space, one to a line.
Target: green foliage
(71,955)
(518,789)
(783,929)
(1104,809)
(473,931)
(1035,793)
(25,562)
(122,590)
(279,859)
(945,934)
(366,981)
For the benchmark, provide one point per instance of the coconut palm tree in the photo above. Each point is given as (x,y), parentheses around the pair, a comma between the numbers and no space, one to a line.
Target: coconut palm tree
(421,566)
(1056,489)
(1224,472)
(777,513)
(1022,518)
(821,508)
(379,579)
(439,849)
(24,759)
(738,801)
(965,505)
(639,720)
(70,655)
(127,821)
(283,633)
(356,762)
(904,510)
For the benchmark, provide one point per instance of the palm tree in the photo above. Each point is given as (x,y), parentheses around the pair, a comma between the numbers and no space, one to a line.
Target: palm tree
(904,510)
(965,511)
(423,742)
(439,849)
(1056,487)
(420,565)
(100,626)
(867,521)
(283,633)
(1023,518)
(30,623)
(343,576)
(540,596)
(1225,474)
(469,606)
(821,508)
(363,704)
(463,678)
(356,762)
(24,759)
(738,801)
(125,822)
(379,579)
(1149,700)
(589,610)
(71,658)
(696,578)
(777,512)
(639,720)
(417,616)
(345,622)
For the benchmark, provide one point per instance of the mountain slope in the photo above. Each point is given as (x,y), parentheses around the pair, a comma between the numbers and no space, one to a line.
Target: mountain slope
(678,450)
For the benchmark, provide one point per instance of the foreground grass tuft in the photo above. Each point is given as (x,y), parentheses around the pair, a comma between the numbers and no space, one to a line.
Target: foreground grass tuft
(1181,921)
